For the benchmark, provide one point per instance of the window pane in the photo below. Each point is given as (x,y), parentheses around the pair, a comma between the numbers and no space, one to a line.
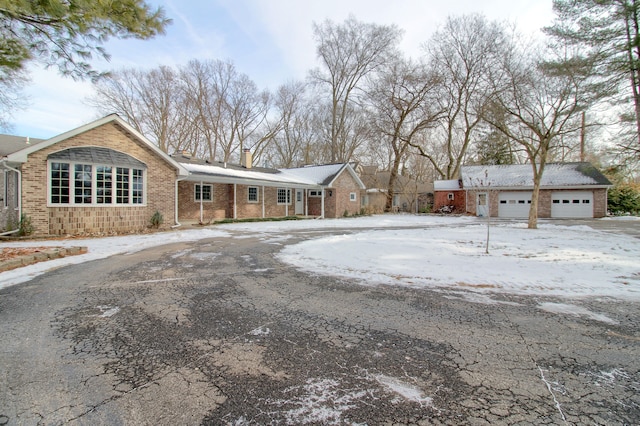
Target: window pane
(203,192)
(136,186)
(104,185)
(59,183)
(82,183)
(122,185)
(253,194)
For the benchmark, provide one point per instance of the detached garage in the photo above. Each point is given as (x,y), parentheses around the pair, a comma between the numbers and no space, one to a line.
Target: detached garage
(568,190)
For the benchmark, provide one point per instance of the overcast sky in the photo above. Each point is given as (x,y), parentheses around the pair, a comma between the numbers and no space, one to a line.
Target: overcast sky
(269,40)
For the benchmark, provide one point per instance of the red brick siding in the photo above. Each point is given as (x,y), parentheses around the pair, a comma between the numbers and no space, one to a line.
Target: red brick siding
(441,199)
(160,189)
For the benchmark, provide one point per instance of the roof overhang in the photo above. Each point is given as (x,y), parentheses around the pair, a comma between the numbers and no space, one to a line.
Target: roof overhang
(530,188)
(210,178)
(353,174)
(22,155)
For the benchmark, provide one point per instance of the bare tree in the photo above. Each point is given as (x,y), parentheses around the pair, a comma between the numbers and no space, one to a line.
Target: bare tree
(290,143)
(349,52)
(464,51)
(541,105)
(403,104)
(151,101)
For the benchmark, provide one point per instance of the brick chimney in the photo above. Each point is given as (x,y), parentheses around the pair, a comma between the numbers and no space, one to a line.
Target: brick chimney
(245,158)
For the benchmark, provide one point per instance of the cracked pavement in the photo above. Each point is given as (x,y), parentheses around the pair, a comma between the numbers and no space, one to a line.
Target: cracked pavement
(220,332)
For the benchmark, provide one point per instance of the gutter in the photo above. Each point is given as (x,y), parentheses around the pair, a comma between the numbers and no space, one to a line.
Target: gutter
(3,162)
(178,224)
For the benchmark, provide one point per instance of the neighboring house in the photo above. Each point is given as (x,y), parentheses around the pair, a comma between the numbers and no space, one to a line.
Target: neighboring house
(103,177)
(567,190)
(214,190)
(409,195)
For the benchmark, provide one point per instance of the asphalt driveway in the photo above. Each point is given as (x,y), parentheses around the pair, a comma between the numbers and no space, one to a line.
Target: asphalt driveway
(220,332)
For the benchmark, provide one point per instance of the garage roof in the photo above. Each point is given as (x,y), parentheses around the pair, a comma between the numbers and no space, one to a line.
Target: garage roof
(519,176)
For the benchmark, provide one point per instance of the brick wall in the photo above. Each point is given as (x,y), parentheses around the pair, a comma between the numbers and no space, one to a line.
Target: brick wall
(599,202)
(340,203)
(160,189)
(8,215)
(441,199)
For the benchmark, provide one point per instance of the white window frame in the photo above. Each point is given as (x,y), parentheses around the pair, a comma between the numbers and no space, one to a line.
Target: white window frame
(257,198)
(450,196)
(131,185)
(353,196)
(315,193)
(288,197)
(196,193)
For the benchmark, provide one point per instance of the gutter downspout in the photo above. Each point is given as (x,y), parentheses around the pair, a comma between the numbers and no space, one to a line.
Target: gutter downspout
(201,205)
(176,203)
(19,190)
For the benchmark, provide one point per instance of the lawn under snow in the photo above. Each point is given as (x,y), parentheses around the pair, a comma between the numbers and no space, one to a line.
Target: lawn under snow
(443,252)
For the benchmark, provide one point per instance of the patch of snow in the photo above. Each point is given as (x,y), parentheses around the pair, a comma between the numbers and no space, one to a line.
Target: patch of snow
(260,331)
(319,401)
(563,308)
(406,390)
(108,311)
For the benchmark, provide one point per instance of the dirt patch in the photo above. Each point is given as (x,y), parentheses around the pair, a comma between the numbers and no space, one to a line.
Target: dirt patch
(16,257)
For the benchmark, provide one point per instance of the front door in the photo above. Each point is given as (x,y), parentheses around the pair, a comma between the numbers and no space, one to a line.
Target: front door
(299,202)
(482,205)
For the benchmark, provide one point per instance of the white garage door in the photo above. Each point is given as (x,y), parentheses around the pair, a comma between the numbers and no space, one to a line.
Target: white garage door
(569,204)
(514,204)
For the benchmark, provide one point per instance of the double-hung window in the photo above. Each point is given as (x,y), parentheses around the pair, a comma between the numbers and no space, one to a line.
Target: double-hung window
(252,194)
(284,196)
(203,192)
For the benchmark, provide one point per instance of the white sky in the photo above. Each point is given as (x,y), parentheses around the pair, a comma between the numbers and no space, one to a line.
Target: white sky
(270,41)
(444,253)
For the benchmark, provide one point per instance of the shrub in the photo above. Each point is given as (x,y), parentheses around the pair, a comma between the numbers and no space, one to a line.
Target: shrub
(156,220)
(624,198)
(25,226)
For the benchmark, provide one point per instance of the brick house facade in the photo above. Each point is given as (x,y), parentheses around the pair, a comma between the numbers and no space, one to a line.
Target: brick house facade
(93,203)
(243,192)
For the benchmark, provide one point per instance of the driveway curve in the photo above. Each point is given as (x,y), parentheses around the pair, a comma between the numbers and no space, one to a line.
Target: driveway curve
(219,331)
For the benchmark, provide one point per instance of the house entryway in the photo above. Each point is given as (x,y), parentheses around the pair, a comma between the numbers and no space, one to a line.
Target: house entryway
(482,204)
(299,209)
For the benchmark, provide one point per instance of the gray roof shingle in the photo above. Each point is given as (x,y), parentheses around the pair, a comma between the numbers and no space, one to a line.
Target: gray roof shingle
(521,176)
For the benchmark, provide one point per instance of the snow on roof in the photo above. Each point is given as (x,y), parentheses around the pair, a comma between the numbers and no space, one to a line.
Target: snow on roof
(446,185)
(248,174)
(319,174)
(521,175)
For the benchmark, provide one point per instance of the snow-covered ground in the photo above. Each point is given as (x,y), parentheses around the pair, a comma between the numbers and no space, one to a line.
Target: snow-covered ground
(443,252)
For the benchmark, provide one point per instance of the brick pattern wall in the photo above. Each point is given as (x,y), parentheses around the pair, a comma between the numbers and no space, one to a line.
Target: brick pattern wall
(599,202)
(340,202)
(189,208)
(441,199)
(9,214)
(544,202)
(160,189)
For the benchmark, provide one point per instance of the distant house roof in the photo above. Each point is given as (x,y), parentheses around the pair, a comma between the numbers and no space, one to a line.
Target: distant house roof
(10,144)
(520,176)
